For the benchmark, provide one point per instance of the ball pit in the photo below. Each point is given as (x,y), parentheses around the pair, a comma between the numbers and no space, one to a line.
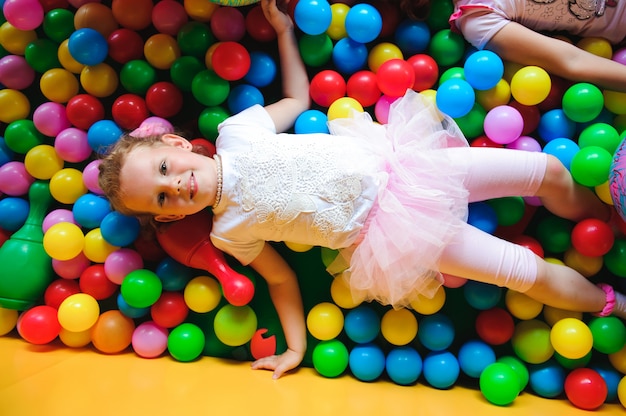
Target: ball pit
(75,77)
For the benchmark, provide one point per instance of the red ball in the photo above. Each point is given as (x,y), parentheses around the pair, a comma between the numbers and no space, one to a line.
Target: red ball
(395,76)
(59,290)
(530,114)
(94,281)
(484,141)
(362,86)
(530,243)
(258,27)
(426,71)
(231,61)
(125,45)
(495,326)
(169,16)
(326,87)
(129,111)
(169,310)
(39,325)
(592,237)
(586,389)
(558,86)
(164,99)
(83,110)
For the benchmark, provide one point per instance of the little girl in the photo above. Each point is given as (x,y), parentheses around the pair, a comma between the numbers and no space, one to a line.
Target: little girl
(393,199)
(514,30)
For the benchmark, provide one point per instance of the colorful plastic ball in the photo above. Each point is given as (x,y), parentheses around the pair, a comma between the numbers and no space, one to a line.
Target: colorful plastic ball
(474,357)
(582,102)
(243,96)
(325,321)
(149,340)
(128,310)
(23,14)
(202,294)
(94,15)
(600,134)
(403,365)
(200,10)
(311,121)
(66,185)
(102,134)
(499,384)
(90,177)
(530,85)
(209,119)
(446,47)
(95,282)
(343,107)
(429,305)
(88,46)
(615,259)
(121,262)
(342,295)
(436,332)
(79,312)
(257,25)
(531,341)
(14,212)
(43,162)
(527,143)
(509,209)
(313,17)
(141,288)
(14,105)
(183,70)
(363,23)
(50,118)
(83,110)
(39,325)
(59,290)
(169,17)
(555,124)
(337,27)
(15,180)
(100,80)
(522,306)
(169,310)
(135,15)
(209,88)
(592,237)
(89,210)
(228,24)
(399,326)
(495,326)
(15,73)
(330,358)
(455,97)
(118,229)
(235,325)
(64,241)
(609,334)
(547,379)
(67,61)
(519,367)
(366,361)
(362,324)
(591,165)
(112,333)
(72,268)
(326,87)
(426,71)
(161,51)
(481,296)
(72,145)
(614,101)
(41,55)
(128,111)
(14,40)
(195,38)
(97,249)
(394,77)
(412,36)
(382,52)
(125,45)
(21,135)
(563,149)
(262,70)
(8,320)
(483,70)
(571,338)
(441,369)
(137,76)
(349,56)
(504,124)
(611,377)
(585,388)
(317,50)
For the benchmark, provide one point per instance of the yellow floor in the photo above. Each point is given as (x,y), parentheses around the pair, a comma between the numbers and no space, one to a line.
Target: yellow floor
(55,380)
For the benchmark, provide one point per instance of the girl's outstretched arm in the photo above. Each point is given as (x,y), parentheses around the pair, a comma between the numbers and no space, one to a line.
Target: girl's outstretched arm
(295,80)
(517,43)
(285,294)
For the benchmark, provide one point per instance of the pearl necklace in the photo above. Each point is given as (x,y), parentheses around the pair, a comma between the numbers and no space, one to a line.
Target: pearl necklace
(218,167)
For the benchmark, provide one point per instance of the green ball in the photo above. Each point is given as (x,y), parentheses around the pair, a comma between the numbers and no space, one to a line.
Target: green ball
(554,234)
(456,72)
(41,55)
(58,24)
(186,342)
(531,341)
(330,358)
(509,210)
(609,334)
(328,255)
(600,134)
(582,102)
(194,39)
(183,70)
(22,135)
(615,259)
(209,88)
(519,367)
(235,325)
(472,124)
(447,47)
(137,76)
(573,363)
(591,165)
(439,16)
(141,288)
(499,383)
(209,119)
(316,50)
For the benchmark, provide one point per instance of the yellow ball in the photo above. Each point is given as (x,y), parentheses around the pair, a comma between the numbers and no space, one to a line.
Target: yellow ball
(64,241)
(161,50)
(58,85)
(615,101)
(552,315)
(343,108)
(494,97)
(522,306)
(621,391)
(530,85)
(200,10)
(8,320)
(381,53)
(14,105)
(571,338)
(531,341)
(298,248)
(342,295)
(618,360)
(75,339)
(42,161)
(99,80)
(15,40)
(325,321)
(202,294)
(337,28)
(67,60)
(67,185)
(97,249)
(78,312)
(585,265)
(603,191)
(399,326)
(429,306)
(597,46)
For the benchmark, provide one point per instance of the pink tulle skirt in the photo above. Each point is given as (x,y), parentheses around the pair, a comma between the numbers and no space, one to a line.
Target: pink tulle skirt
(416,214)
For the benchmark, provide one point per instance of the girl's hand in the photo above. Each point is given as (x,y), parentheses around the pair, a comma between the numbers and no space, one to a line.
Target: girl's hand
(279,363)
(277,17)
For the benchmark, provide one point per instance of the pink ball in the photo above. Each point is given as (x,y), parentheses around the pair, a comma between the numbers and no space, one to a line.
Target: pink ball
(527,143)
(50,118)
(23,14)
(168,16)
(620,56)
(90,177)
(381,109)
(15,179)
(503,124)
(453,281)
(228,23)
(72,268)
(56,216)
(72,145)
(149,340)
(121,262)
(15,72)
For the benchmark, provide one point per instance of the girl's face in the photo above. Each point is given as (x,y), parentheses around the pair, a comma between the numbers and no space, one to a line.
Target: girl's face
(168,181)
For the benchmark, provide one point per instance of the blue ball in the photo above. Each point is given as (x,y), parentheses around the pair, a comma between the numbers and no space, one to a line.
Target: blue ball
(130,311)
(102,134)
(362,324)
(367,361)
(244,96)
(563,149)
(311,121)
(483,70)
(403,365)
(174,276)
(349,56)
(436,332)
(554,124)
(119,230)
(481,296)
(6,154)
(611,378)
(547,379)
(412,37)
(474,356)
(482,216)
(455,97)
(441,369)
(363,23)
(89,210)
(87,46)
(13,213)
(313,17)
(262,70)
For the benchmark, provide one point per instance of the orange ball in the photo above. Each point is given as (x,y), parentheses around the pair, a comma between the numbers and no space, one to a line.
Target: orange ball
(112,332)
(133,14)
(95,16)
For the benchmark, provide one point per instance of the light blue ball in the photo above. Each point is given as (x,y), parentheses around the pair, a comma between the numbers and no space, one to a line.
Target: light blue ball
(102,134)
(244,96)
(311,121)
(554,124)
(349,56)
(313,17)
(441,369)
(119,230)
(262,70)
(455,97)
(13,213)
(87,46)
(362,324)
(436,332)
(563,149)
(367,361)
(403,365)
(547,379)
(474,356)
(89,210)
(483,70)
(363,23)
